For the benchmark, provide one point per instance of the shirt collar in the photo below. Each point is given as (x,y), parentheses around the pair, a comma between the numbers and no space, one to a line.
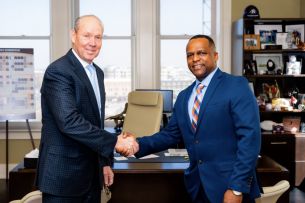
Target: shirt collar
(84,63)
(206,81)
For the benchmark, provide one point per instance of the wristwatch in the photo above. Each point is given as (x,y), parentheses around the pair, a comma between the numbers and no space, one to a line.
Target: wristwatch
(236,192)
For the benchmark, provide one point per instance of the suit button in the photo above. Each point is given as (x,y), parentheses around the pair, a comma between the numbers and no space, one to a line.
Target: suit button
(197,142)
(200,161)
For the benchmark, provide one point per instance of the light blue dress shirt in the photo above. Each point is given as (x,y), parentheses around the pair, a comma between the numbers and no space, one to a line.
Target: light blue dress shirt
(206,81)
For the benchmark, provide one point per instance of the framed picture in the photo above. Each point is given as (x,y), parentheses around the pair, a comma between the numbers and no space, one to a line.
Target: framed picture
(283,38)
(292,124)
(250,67)
(297,32)
(267,33)
(272,60)
(251,42)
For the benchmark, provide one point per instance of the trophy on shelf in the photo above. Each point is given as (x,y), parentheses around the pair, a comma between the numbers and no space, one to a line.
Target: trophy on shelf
(293,66)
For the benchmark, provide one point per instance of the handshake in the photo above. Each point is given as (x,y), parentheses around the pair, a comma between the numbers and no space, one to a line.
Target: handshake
(126,144)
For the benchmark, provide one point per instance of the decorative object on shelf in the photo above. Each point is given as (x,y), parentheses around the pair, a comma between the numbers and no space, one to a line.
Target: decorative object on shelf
(250,67)
(301,101)
(261,60)
(273,47)
(293,94)
(271,90)
(267,125)
(251,11)
(268,107)
(270,67)
(292,124)
(293,66)
(252,42)
(280,104)
(278,128)
(301,46)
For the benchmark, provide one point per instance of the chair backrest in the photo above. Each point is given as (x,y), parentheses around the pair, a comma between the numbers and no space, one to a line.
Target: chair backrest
(272,193)
(144,113)
(32,197)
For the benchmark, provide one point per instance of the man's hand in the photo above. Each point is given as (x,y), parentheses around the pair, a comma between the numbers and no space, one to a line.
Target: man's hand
(229,197)
(108,175)
(126,144)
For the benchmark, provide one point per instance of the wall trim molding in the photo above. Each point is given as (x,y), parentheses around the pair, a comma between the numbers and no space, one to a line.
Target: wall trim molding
(19,135)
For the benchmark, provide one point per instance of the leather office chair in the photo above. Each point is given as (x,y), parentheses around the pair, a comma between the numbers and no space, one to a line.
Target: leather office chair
(144,113)
(32,197)
(273,193)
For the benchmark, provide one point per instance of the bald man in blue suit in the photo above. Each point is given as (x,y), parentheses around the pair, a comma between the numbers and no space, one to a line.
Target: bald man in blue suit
(224,147)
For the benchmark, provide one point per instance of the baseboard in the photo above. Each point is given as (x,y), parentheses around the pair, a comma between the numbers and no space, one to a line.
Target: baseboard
(3,169)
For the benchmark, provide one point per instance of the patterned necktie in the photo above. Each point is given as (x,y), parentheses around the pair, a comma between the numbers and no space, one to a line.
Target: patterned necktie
(94,83)
(196,107)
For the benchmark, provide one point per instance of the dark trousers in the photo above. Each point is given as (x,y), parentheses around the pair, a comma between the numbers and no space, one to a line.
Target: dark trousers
(201,196)
(92,196)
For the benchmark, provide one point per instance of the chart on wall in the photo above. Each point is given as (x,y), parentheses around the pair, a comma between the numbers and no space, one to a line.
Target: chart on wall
(17,92)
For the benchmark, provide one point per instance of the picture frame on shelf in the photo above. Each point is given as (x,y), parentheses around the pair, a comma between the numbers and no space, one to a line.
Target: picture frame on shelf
(263,59)
(297,27)
(251,42)
(284,39)
(250,67)
(297,34)
(292,124)
(267,33)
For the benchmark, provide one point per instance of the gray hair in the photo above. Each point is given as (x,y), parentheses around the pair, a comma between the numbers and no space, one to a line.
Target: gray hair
(78,19)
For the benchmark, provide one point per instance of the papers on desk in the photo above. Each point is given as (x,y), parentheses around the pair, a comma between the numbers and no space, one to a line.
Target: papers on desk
(176,152)
(151,156)
(122,158)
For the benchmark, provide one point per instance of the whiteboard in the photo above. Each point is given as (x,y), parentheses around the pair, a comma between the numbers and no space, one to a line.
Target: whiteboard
(17,91)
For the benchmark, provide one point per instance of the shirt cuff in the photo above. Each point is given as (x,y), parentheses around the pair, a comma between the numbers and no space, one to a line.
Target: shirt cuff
(236,192)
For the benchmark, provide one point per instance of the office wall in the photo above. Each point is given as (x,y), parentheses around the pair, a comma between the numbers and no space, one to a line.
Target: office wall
(267,8)
(302,6)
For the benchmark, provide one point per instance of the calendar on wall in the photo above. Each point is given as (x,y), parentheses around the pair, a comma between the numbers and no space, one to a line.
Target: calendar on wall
(17,92)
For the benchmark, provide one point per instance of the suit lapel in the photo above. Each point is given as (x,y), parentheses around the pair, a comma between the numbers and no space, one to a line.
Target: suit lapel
(81,73)
(209,94)
(186,107)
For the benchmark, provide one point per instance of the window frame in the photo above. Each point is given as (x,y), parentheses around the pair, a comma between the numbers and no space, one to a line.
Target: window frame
(145,42)
(35,125)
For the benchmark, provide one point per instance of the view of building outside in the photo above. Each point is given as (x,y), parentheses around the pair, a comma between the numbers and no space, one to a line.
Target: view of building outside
(116,54)
(175,30)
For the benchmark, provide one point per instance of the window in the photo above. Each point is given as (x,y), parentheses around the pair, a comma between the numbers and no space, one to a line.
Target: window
(22,32)
(116,53)
(180,19)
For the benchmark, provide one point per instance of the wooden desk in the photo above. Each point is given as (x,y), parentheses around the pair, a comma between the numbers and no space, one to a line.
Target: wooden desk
(152,182)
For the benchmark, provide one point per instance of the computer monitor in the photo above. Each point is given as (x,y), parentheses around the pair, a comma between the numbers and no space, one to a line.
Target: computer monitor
(167,98)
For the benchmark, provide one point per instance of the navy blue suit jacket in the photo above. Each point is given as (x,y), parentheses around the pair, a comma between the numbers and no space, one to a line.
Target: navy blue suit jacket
(74,146)
(224,149)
